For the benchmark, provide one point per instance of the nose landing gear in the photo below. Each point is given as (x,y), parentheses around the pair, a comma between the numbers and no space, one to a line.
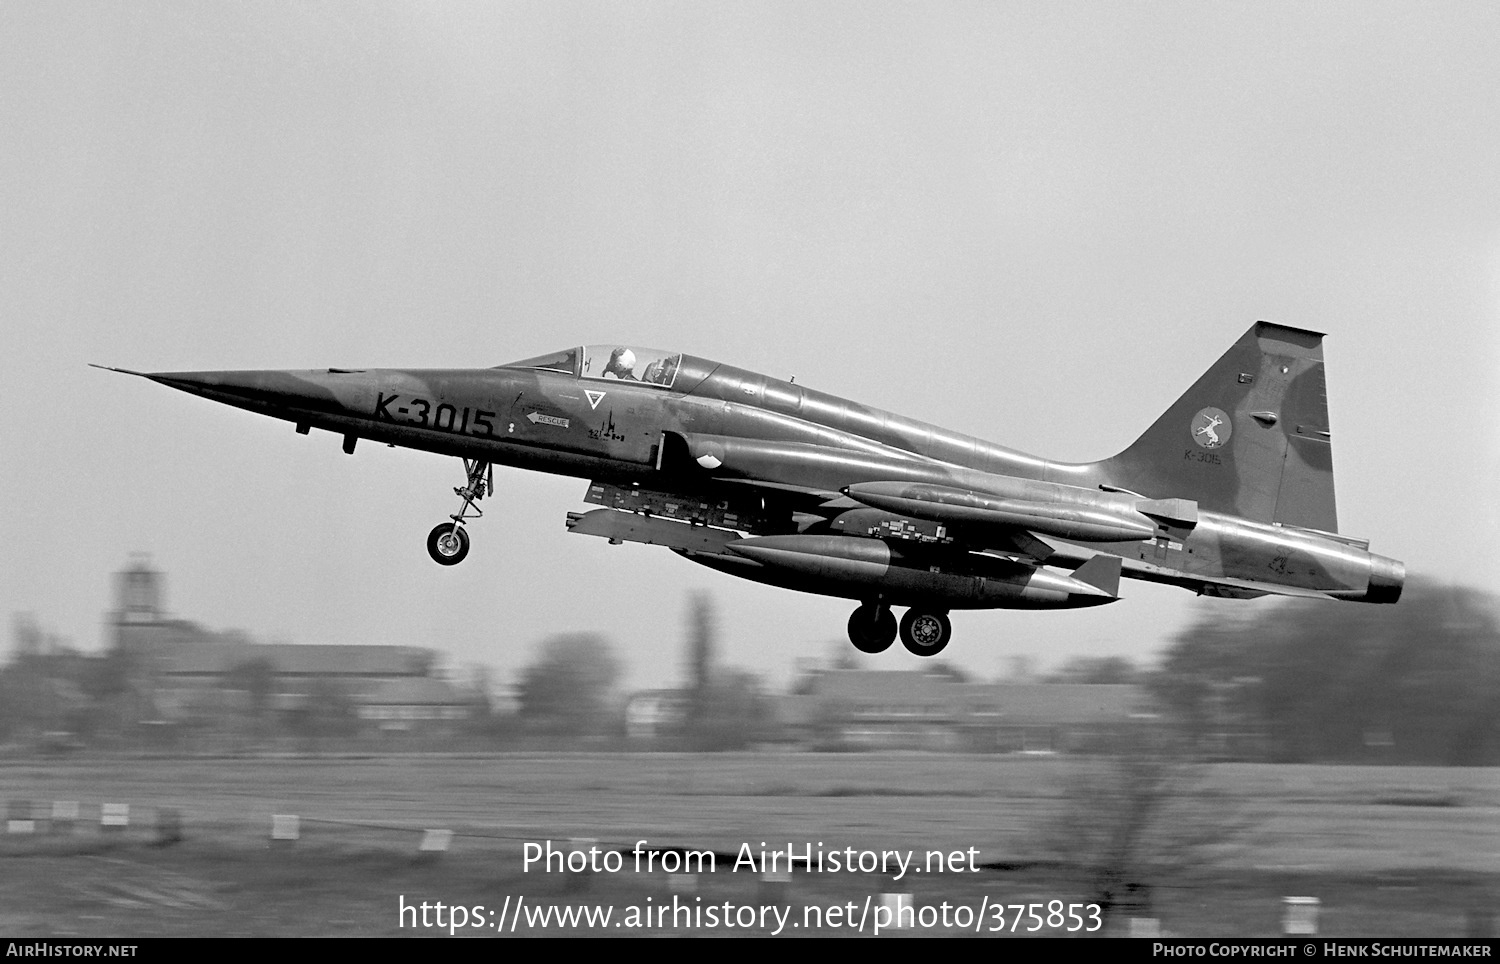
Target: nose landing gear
(448,542)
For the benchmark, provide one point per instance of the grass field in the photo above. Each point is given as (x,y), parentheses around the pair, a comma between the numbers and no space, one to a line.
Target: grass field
(1388,851)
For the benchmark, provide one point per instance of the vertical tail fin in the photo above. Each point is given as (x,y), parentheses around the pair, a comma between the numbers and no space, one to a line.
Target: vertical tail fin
(1249,438)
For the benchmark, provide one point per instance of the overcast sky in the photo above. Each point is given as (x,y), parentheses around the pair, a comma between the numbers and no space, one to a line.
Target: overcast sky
(1037,223)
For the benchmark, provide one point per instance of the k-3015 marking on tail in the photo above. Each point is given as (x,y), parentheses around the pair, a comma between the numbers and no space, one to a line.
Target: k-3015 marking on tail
(1229,493)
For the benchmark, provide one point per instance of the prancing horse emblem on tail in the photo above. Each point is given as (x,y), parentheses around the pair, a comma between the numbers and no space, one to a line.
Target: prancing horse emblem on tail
(1211,428)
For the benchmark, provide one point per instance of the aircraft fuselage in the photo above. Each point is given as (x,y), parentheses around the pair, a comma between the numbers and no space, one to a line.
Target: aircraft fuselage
(793,487)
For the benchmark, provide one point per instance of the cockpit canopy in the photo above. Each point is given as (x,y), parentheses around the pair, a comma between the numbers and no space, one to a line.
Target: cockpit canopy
(649,366)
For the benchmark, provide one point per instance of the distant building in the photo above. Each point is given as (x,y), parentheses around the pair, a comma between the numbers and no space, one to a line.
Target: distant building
(861,709)
(414,703)
(182,671)
(1048,717)
(887,708)
(654,714)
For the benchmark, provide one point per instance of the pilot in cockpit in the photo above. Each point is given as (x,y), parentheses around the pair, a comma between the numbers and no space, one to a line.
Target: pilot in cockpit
(659,372)
(621,365)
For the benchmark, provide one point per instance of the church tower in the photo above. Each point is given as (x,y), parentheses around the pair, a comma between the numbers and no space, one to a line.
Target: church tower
(138,592)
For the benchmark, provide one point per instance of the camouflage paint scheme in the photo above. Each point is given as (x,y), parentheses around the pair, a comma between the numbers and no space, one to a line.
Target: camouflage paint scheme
(1229,493)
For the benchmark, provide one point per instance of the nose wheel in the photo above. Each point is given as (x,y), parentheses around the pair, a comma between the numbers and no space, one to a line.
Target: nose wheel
(448,542)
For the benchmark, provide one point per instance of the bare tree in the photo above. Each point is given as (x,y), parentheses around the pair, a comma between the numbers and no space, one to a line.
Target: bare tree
(570,690)
(1095,669)
(1140,815)
(700,659)
(726,708)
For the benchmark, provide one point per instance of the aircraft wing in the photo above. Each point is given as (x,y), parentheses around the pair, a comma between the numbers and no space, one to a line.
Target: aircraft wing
(826,498)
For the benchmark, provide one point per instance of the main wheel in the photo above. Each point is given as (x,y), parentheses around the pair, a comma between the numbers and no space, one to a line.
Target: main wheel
(448,544)
(925,633)
(872,628)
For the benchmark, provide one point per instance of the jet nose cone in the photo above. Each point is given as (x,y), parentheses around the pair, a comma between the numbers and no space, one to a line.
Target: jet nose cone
(237,382)
(196,383)
(267,391)
(210,384)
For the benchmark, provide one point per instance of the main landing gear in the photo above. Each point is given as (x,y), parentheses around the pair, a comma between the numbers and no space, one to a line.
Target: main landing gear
(872,629)
(448,543)
(925,633)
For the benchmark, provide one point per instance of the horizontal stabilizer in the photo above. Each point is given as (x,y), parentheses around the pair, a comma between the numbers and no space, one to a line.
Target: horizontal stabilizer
(1248,588)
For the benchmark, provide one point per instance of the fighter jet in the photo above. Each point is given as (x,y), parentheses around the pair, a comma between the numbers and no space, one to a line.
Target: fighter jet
(1229,493)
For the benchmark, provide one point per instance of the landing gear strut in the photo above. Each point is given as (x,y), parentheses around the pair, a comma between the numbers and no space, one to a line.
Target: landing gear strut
(925,633)
(448,542)
(872,628)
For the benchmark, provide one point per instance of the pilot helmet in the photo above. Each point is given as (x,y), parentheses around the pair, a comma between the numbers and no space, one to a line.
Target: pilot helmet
(621,362)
